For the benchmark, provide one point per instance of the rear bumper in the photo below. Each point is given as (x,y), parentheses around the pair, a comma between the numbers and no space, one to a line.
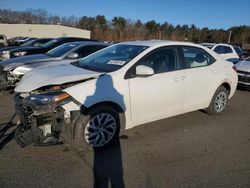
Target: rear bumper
(243,79)
(243,86)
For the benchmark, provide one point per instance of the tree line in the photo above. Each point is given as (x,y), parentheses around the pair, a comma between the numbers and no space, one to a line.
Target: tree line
(122,29)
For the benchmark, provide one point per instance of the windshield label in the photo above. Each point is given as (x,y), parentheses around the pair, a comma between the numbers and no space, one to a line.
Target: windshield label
(116,62)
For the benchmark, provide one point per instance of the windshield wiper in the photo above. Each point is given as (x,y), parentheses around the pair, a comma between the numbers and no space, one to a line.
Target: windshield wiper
(90,68)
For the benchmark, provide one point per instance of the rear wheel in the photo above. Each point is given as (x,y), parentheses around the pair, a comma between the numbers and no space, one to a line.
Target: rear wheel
(99,128)
(219,101)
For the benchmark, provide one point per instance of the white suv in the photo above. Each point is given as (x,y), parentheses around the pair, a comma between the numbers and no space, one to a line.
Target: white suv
(122,86)
(225,50)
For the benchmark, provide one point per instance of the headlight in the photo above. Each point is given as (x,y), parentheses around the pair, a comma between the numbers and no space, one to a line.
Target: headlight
(5,52)
(49,98)
(19,53)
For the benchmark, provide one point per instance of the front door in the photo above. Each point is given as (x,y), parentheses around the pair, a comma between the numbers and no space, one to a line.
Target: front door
(162,94)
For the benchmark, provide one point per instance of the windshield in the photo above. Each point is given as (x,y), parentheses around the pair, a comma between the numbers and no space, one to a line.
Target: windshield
(28,42)
(112,58)
(61,50)
(50,43)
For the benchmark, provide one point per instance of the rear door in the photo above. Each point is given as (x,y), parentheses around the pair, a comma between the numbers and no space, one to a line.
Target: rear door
(202,75)
(162,94)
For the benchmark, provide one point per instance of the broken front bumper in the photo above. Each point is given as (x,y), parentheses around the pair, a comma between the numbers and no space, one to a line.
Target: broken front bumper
(36,121)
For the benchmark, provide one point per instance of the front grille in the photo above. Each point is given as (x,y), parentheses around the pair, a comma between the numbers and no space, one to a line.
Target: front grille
(243,72)
(244,79)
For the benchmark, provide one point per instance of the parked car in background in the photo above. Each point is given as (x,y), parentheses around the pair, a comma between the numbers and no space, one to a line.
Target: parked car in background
(3,41)
(119,87)
(226,51)
(14,69)
(244,55)
(27,50)
(12,41)
(243,71)
(4,52)
(19,42)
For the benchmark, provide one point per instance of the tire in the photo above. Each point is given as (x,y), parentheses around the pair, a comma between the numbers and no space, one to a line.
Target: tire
(88,127)
(218,102)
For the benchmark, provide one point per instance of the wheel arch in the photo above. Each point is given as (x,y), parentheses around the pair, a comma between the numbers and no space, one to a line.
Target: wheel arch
(84,110)
(227,86)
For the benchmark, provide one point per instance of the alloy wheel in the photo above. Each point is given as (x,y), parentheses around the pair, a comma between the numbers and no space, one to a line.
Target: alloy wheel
(220,101)
(100,130)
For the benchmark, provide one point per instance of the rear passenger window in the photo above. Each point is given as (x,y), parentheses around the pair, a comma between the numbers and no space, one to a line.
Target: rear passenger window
(161,60)
(196,57)
(227,50)
(218,50)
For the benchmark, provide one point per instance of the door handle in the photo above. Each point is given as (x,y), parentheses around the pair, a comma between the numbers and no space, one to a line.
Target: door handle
(215,71)
(176,79)
(183,77)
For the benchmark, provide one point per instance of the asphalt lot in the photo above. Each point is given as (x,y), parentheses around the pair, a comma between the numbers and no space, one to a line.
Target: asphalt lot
(190,150)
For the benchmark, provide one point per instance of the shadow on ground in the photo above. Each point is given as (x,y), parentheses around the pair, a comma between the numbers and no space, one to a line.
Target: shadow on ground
(7,132)
(108,169)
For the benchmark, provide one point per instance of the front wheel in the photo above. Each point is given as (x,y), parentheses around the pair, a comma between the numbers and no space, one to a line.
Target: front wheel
(99,128)
(219,101)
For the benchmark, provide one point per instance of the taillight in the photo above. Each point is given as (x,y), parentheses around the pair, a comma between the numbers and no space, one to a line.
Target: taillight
(234,68)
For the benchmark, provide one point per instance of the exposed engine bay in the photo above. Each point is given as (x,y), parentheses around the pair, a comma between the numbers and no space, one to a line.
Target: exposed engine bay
(42,116)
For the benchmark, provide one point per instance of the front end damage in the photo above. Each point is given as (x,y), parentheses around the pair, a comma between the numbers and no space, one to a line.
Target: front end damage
(3,79)
(38,122)
(43,115)
(8,79)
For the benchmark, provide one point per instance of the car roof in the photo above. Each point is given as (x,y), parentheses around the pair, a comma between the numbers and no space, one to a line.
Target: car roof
(85,43)
(152,43)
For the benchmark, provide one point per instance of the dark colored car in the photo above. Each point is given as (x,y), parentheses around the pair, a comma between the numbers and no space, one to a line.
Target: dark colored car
(23,40)
(4,52)
(244,55)
(22,51)
(13,69)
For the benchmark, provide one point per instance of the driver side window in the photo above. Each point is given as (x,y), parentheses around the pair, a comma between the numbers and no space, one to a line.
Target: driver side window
(161,61)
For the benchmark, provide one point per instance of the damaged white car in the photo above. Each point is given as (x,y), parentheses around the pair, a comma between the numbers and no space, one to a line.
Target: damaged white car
(119,87)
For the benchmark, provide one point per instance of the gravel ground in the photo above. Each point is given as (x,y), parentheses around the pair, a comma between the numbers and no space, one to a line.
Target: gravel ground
(190,150)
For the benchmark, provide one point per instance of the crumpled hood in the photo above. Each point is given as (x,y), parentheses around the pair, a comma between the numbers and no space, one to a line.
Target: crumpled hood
(243,66)
(53,75)
(19,61)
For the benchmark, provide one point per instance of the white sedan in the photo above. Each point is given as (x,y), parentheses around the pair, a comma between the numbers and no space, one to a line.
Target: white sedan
(122,86)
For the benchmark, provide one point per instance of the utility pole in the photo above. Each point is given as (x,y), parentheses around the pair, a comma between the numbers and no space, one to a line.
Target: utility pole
(229,38)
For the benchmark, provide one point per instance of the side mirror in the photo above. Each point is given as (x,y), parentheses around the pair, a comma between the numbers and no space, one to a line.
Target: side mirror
(73,55)
(142,70)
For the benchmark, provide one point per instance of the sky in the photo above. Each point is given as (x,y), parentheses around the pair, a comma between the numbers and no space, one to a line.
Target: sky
(214,14)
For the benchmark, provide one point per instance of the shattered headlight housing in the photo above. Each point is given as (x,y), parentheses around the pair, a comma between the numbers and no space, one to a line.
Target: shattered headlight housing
(49,98)
(19,53)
